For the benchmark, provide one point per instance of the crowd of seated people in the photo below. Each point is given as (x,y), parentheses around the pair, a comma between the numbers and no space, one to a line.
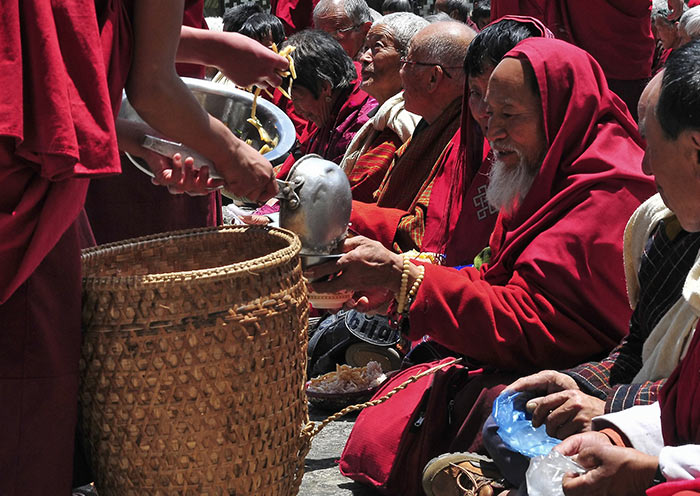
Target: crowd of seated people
(524,163)
(526,182)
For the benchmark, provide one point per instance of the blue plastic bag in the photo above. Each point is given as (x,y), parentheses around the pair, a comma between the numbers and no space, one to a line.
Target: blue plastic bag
(515,426)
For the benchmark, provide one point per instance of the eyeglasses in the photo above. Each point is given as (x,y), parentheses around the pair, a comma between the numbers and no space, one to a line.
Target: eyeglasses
(341,32)
(404,61)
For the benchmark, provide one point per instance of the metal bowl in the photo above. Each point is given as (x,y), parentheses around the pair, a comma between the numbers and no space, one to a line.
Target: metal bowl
(232,106)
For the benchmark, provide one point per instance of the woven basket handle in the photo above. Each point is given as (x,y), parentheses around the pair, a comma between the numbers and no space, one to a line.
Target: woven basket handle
(313,428)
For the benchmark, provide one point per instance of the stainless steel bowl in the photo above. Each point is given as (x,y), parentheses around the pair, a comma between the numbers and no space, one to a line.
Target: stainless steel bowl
(232,106)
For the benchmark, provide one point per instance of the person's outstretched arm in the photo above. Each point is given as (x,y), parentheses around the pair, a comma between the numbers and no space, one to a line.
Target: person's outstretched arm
(164,101)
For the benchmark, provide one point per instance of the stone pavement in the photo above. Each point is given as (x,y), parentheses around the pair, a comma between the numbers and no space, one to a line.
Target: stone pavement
(321,476)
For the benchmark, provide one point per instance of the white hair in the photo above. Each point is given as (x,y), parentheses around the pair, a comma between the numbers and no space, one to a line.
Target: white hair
(357,10)
(508,186)
(403,26)
(690,22)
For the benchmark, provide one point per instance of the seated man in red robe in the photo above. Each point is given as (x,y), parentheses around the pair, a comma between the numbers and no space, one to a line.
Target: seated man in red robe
(661,262)
(565,180)
(459,220)
(433,82)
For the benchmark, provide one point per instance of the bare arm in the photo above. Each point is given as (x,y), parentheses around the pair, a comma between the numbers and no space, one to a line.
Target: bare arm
(162,99)
(241,59)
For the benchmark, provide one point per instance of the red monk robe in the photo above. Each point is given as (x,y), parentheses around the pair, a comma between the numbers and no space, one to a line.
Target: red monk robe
(296,15)
(129,205)
(616,32)
(397,218)
(553,293)
(57,130)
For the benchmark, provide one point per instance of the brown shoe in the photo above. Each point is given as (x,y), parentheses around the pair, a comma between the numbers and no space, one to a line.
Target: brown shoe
(462,474)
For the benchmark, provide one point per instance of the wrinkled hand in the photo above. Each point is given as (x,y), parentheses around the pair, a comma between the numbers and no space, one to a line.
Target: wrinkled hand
(564,409)
(257,65)
(255,219)
(565,413)
(179,175)
(545,382)
(367,268)
(676,8)
(370,301)
(248,174)
(573,445)
(612,471)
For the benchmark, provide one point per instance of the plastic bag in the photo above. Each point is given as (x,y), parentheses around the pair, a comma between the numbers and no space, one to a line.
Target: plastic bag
(515,426)
(545,474)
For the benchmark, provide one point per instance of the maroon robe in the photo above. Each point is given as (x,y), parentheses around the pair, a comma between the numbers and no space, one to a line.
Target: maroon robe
(130,205)
(57,130)
(296,15)
(553,293)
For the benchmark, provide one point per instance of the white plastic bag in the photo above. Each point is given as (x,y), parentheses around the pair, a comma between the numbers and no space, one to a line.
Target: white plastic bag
(545,474)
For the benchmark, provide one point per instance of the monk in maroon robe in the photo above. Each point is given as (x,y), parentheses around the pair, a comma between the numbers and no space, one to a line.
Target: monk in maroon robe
(459,220)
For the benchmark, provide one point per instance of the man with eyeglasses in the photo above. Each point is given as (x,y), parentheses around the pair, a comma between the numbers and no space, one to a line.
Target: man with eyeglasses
(433,81)
(348,21)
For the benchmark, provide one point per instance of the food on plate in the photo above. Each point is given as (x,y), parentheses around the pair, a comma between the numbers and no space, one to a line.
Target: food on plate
(347,379)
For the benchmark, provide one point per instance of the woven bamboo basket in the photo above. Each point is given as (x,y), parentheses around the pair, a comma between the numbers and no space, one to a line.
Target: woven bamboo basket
(192,368)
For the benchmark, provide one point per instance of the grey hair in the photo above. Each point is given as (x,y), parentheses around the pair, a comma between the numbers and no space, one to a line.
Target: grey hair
(357,10)
(403,26)
(448,47)
(463,8)
(690,22)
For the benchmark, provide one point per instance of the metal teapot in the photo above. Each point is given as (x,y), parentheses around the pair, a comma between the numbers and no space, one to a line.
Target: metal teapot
(316,204)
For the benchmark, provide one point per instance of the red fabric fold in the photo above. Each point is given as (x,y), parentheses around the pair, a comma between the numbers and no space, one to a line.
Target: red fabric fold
(680,397)
(554,292)
(375,222)
(676,488)
(616,32)
(56,127)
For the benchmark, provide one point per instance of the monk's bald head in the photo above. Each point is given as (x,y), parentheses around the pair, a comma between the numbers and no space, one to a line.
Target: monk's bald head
(443,43)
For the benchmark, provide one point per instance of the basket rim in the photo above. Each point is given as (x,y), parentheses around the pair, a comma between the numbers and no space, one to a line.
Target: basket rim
(274,258)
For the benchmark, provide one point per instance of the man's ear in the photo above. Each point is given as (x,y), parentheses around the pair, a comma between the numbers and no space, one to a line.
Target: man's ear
(326,90)
(436,75)
(365,27)
(695,143)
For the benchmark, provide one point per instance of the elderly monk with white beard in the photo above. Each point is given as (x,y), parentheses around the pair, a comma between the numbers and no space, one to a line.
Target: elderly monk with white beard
(567,177)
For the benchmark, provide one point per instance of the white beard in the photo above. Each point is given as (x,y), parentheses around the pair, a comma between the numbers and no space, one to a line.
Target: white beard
(509,185)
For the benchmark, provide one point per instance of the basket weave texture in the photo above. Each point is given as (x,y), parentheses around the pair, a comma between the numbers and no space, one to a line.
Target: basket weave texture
(192,368)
